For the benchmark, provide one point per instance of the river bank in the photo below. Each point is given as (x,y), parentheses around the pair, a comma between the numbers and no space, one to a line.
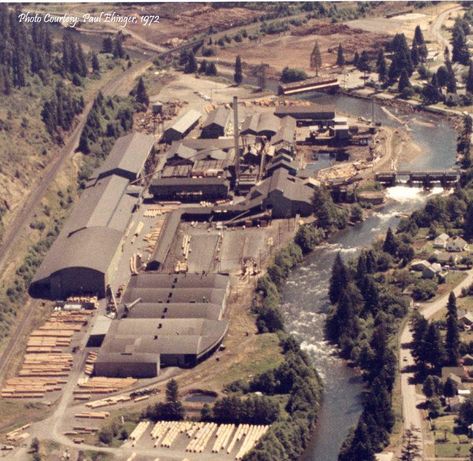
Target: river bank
(304,295)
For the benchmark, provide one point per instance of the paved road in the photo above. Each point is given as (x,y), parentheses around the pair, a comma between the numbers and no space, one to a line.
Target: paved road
(410,399)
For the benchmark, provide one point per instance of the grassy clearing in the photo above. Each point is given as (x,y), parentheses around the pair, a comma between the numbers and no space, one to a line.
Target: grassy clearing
(447,443)
(17,413)
(266,356)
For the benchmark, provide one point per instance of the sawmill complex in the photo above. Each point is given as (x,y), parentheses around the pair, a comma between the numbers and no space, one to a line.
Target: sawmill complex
(167,306)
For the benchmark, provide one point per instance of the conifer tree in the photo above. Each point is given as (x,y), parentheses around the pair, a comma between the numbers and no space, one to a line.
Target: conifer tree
(390,244)
(340,56)
(211,69)
(469,80)
(452,342)
(191,64)
(316,59)
(460,51)
(141,95)
(381,66)
(356,58)
(418,36)
(238,75)
(203,66)
(95,64)
(338,280)
(403,81)
(107,45)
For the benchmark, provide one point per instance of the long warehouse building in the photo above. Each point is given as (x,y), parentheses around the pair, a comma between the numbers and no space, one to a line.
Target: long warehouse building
(165,320)
(85,255)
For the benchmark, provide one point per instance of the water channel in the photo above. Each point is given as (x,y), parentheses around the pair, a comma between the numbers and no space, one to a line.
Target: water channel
(304,295)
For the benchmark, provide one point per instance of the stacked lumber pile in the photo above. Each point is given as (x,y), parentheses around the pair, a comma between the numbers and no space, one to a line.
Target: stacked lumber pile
(30,388)
(138,432)
(57,332)
(152,237)
(88,302)
(89,363)
(40,373)
(153,212)
(82,430)
(108,401)
(93,414)
(18,434)
(46,365)
(201,438)
(102,385)
(252,435)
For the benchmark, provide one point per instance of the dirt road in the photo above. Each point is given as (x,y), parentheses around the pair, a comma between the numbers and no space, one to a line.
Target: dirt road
(410,399)
(436,28)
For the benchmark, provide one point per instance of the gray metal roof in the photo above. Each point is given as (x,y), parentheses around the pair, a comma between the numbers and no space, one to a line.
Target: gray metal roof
(128,154)
(91,248)
(163,336)
(166,237)
(314,111)
(199,144)
(177,295)
(97,204)
(179,149)
(176,311)
(186,121)
(218,117)
(188,280)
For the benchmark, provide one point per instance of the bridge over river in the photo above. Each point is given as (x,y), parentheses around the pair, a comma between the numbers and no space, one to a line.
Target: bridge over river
(446,178)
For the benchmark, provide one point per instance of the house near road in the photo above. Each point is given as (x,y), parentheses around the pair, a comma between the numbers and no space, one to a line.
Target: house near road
(456,244)
(431,270)
(441,241)
(466,320)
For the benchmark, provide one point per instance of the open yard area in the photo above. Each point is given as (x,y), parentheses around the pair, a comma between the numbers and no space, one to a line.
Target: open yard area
(448,444)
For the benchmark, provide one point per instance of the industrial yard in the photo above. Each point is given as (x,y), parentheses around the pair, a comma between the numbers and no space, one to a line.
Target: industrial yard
(144,278)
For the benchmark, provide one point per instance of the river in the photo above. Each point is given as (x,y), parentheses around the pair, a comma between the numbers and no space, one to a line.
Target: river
(305,293)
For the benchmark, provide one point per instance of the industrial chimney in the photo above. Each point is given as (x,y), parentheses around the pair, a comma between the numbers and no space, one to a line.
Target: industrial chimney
(235,139)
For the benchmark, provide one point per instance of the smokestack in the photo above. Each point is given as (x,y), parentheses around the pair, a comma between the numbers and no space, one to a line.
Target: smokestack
(235,138)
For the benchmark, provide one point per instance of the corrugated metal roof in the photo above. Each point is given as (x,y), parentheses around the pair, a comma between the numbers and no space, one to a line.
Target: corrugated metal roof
(97,204)
(177,310)
(218,117)
(91,248)
(188,280)
(186,121)
(129,154)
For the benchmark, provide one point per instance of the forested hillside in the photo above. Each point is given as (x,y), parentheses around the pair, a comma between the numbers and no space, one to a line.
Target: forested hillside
(43,82)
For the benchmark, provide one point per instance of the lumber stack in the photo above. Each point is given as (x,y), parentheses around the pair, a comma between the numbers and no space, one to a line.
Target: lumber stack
(103,385)
(252,435)
(88,302)
(93,414)
(46,365)
(138,431)
(89,363)
(18,433)
(108,401)
(23,388)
